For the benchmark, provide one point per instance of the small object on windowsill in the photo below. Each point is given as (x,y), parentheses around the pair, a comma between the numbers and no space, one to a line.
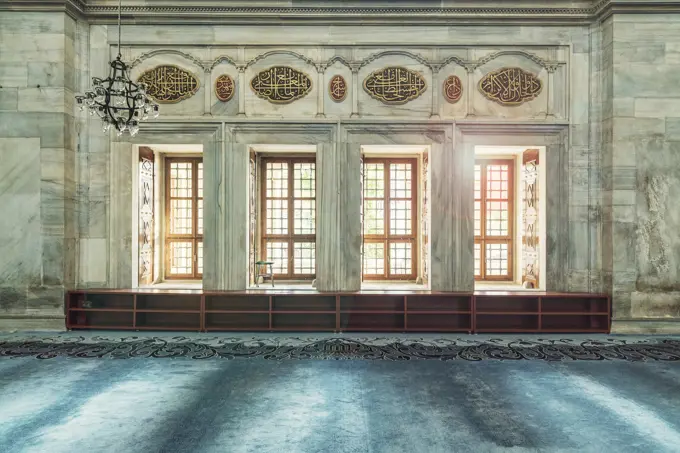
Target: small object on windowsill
(419,281)
(261,272)
(528,285)
(314,283)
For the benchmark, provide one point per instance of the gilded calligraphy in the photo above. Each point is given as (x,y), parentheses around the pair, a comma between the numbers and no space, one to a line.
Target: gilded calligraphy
(281,84)
(510,86)
(337,88)
(224,88)
(168,84)
(395,85)
(453,89)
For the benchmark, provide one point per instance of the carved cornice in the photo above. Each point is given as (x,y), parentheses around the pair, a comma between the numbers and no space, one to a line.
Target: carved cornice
(470,11)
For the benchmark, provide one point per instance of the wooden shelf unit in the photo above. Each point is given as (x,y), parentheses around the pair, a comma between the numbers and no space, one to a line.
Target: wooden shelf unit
(367,311)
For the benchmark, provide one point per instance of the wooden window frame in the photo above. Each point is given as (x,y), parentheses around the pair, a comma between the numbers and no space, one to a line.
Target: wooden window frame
(194,238)
(483,239)
(388,238)
(291,238)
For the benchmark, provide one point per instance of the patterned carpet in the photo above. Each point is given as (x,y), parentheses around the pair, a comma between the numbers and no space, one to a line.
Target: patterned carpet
(395,349)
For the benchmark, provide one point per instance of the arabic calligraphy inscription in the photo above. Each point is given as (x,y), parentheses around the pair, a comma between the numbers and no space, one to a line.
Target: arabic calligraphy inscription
(281,84)
(510,86)
(224,87)
(453,89)
(168,84)
(395,85)
(337,88)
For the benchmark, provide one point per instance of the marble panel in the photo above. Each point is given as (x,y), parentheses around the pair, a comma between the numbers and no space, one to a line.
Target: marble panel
(580,89)
(657,107)
(49,74)
(303,107)
(53,255)
(46,99)
(648,31)
(673,129)
(220,108)
(643,80)
(9,99)
(32,23)
(655,304)
(534,109)
(93,268)
(12,299)
(50,127)
(45,300)
(13,74)
(420,107)
(635,51)
(460,108)
(195,105)
(333,109)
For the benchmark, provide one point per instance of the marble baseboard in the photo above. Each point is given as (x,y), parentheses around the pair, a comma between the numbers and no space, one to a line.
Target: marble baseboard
(646,326)
(18,323)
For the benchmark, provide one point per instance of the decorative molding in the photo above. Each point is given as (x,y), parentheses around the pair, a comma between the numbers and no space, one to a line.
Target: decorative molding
(339,59)
(156,52)
(387,53)
(281,84)
(510,86)
(337,88)
(222,59)
(533,57)
(224,87)
(169,84)
(281,52)
(395,85)
(459,61)
(189,12)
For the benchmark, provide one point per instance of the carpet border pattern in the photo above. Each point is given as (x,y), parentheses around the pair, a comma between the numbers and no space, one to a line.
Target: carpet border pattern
(395,349)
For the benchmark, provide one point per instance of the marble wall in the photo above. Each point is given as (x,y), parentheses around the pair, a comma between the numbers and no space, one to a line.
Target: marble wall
(606,115)
(37,164)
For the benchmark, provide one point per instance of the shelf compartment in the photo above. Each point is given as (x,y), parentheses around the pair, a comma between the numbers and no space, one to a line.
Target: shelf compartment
(551,304)
(303,303)
(308,321)
(241,321)
(375,303)
(100,319)
(439,303)
(585,323)
(89,300)
(169,302)
(500,323)
(440,323)
(237,302)
(504,304)
(360,321)
(165,320)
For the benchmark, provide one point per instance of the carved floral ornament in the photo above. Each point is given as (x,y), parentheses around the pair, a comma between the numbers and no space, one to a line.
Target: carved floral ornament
(224,87)
(281,84)
(337,88)
(395,85)
(510,86)
(169,84)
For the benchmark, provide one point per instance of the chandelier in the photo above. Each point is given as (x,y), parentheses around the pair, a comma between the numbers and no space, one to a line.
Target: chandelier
(118,101)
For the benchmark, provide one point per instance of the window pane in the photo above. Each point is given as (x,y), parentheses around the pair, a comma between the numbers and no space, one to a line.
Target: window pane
(497,223)
(304,216)
(374,258)
(400,180)
(374,217)
(478,218)
(200,216)
(200,180)
(180,180)
(478,182)
(278,253)
(374,180)
(400,217)
(277,216)
(277,180)
(400,258)
(497,179)
(497,260)
(304,258)
(181,221)
(181,255)
(478,260)
(199,258)
(304,175)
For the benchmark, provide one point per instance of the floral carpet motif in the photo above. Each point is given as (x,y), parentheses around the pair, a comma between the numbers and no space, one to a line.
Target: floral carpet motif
(396,349)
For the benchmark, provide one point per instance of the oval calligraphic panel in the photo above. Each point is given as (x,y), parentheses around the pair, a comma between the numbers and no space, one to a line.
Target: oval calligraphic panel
(281,84)
(168,84)
(510,86)
(453,89)
(395,85)
(224,88)
(337,88)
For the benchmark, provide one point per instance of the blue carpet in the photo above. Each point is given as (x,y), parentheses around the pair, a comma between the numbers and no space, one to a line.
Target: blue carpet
(148,404)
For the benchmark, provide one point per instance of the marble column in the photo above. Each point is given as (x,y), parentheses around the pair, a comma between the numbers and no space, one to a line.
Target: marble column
(452,233)
(338,223)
